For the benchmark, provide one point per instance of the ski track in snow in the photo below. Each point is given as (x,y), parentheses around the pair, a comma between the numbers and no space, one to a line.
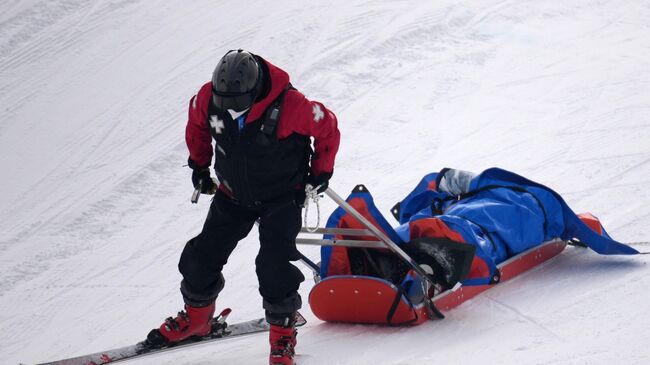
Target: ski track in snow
(94,195)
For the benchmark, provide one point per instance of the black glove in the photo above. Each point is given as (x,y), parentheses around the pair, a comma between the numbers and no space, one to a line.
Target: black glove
(201,175)
(321,181)
(203,178)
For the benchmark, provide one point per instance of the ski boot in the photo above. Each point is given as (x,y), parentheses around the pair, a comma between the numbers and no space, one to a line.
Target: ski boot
(191,323)
(282,337)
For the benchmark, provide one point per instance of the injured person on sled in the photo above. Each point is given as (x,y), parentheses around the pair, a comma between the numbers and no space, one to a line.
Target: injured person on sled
(465,230)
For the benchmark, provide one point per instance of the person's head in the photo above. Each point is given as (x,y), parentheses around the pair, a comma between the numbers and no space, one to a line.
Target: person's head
(236,81)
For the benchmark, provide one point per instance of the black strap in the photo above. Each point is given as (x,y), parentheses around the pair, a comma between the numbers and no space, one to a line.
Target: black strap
(433,310)
(273,114)
(576,242)
(396,210)
(401,291)
(496,277)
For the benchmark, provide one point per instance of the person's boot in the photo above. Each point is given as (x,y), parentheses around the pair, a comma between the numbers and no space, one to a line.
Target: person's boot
(193,321)
(282,338)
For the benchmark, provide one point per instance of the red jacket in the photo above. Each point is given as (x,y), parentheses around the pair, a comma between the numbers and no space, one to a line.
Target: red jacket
(298,115)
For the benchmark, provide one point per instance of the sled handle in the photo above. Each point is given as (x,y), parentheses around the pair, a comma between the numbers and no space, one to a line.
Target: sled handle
(342,243)
(388,242)
(339,231)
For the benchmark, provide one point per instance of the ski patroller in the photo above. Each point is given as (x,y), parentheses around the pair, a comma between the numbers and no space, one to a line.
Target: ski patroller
(220,331)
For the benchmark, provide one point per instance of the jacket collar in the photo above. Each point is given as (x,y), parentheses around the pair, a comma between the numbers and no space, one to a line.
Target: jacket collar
(278,79)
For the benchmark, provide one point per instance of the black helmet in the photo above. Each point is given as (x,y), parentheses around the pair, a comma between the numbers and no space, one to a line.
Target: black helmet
(236,81)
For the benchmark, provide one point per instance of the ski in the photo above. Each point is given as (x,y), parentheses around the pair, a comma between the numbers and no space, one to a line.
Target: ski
(220,331)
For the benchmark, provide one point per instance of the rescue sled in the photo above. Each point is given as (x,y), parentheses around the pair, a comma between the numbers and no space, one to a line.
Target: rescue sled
(459,234)
(342,296)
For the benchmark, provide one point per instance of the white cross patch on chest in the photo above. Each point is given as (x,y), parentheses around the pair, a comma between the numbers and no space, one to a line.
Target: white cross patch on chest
(216,124)
(318,113)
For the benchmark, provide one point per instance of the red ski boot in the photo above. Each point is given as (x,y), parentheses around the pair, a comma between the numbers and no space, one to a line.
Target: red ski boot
(191,322)
(283,344)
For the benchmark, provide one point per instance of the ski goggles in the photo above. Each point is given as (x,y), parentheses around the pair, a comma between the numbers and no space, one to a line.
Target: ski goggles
(237,101)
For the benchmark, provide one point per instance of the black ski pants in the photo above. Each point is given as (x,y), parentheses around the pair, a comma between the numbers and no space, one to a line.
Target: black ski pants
(226,224)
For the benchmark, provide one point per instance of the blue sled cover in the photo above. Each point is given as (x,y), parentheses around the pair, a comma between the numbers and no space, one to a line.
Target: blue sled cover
(501,213)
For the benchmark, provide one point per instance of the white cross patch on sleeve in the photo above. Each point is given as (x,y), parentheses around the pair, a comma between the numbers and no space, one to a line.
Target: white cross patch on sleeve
(216,124)
(318,113)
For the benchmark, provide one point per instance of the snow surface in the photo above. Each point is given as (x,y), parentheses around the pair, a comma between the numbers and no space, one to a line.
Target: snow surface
(94,198)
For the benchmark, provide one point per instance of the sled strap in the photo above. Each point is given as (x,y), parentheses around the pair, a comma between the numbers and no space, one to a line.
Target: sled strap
(496,277)
(576,242)
(401,292)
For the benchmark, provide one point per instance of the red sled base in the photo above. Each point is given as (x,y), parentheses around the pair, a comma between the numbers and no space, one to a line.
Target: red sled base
(371,300)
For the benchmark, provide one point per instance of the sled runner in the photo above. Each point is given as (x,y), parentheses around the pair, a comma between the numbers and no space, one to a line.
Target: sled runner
(457,238)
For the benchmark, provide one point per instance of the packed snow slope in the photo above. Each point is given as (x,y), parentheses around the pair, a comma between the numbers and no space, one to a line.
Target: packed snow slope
(94,197)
